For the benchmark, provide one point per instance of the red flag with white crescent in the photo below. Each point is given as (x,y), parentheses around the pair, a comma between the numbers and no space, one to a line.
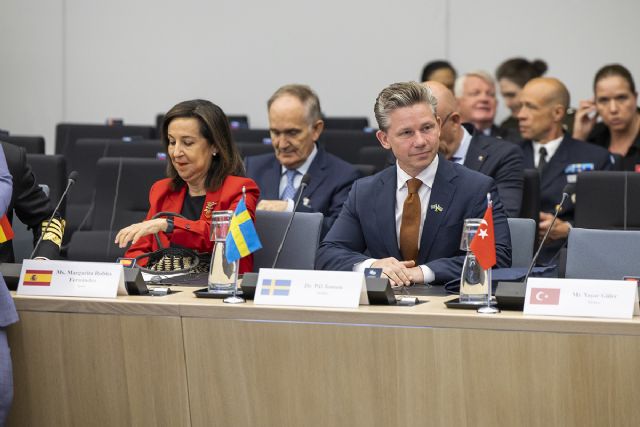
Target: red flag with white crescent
(483,244)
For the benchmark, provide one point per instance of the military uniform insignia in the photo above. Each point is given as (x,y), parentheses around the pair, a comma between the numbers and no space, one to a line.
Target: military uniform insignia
(53,231)
(208,209)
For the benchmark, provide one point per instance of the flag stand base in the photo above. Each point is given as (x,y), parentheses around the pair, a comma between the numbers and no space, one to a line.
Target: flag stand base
(488,310)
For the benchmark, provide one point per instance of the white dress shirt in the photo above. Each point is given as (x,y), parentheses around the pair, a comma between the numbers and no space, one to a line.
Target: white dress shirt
(461,152)
(551,147)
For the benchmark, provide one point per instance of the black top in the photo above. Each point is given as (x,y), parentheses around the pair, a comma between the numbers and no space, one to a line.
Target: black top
(192,206)
(601,136)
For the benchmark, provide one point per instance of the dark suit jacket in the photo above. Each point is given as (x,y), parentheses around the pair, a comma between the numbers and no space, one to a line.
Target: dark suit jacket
(367,222)
(331,179)
(195,234)
(506,133)
(553,178)
(502,161)
(28,201)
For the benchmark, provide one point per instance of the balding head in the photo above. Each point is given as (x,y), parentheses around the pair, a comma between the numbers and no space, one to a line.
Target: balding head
(551,89)
(544,104)
(446,101)
(450,120)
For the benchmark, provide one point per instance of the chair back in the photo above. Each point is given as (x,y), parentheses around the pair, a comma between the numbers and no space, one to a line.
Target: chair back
(523,236)
(70,132)
(603,254)
(531,195)
(346,144)
(346,123)
(33,144)
(608,200)
(299,250)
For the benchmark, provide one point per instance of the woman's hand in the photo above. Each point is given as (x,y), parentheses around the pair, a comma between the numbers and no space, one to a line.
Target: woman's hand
(585,119)
(135,231)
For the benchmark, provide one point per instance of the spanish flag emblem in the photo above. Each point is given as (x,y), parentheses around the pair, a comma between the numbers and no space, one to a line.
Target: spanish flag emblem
(6,232)
(37,277)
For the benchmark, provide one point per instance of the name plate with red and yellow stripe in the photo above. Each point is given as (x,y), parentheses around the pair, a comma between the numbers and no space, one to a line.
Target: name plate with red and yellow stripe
(71,279)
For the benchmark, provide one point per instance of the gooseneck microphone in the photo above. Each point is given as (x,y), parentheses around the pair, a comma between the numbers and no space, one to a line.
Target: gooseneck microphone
(73,177)
(565,196)
(303,184)
(511,295)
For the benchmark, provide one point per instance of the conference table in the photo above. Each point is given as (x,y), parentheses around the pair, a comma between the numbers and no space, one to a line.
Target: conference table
(178,360)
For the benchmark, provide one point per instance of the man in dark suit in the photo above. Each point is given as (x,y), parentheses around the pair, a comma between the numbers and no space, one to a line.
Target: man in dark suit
(463,144)
(557,156)
(408,218)
(31,205)
(476,95)
(295,124)
(8,314)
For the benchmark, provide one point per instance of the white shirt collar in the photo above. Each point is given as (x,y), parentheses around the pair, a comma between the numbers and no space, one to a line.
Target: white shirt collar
(427,175)
(551,147)
(461,152)
(307,163)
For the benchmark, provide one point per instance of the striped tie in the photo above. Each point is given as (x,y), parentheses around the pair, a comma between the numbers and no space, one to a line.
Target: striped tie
(290,190)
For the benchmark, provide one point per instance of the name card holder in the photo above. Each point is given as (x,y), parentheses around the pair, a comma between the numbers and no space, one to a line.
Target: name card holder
(616,299)
(310,288)
(71,279)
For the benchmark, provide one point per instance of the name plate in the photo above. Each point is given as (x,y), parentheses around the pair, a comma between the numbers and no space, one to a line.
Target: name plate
(71,279)
(580,297)
(310,288)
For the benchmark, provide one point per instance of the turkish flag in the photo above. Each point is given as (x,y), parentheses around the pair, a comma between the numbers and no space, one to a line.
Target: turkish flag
(547,296)
(483,244)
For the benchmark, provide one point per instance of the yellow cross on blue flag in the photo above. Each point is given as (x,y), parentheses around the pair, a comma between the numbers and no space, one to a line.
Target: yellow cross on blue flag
(242,238)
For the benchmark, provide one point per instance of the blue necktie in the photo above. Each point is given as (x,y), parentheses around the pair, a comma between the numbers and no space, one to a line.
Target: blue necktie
(290,190)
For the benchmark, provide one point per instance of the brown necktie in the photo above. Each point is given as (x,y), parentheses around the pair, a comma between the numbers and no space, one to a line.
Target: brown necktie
(410,225)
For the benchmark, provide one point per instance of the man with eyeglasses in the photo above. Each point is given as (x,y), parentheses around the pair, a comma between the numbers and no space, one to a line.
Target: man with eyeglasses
(407,219)
(463,144)
(295,124)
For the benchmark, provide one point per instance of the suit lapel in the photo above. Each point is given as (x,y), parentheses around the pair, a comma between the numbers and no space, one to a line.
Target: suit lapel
(385,211)
(527,151)
(271,190)
(441,195)
(316,172)
(476,154)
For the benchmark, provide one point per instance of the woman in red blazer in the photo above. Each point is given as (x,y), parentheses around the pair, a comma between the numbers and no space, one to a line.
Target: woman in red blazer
(205,175)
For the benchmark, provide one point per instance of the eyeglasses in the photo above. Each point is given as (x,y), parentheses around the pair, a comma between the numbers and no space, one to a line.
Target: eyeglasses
(445,119)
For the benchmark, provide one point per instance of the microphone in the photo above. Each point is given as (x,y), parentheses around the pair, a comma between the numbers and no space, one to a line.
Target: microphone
(565,196)
(510,295)
(303,184)
(73,177)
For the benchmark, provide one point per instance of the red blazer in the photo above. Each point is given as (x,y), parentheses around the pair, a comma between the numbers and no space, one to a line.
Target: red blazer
(195,234)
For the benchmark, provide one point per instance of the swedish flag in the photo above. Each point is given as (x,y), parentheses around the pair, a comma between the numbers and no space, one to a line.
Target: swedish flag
(242,238)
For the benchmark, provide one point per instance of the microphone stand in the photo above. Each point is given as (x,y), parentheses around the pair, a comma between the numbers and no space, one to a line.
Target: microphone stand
(72,180)
(303,185)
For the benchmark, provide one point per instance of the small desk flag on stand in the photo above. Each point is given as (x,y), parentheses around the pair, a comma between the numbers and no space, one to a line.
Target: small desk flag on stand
(6,232)
(242,238)
(483,244)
